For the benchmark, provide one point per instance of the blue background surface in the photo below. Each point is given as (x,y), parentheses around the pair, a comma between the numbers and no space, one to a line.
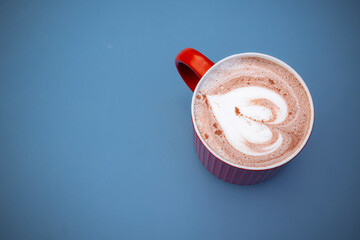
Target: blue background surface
(95,125)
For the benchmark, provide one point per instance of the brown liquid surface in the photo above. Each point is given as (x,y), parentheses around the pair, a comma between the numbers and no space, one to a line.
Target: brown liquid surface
(254,71)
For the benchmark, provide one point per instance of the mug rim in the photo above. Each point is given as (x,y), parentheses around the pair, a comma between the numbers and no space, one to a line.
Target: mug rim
(281,63)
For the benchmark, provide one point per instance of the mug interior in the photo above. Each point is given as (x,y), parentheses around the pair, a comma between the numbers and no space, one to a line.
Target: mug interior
(279,62)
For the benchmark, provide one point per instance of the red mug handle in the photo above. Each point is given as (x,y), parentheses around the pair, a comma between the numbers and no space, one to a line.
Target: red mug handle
(192,65)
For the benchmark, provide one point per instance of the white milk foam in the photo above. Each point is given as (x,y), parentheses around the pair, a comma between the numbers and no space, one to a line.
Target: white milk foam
(245,128)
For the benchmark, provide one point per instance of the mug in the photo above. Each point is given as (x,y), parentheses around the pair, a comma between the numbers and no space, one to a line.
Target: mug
(193,66)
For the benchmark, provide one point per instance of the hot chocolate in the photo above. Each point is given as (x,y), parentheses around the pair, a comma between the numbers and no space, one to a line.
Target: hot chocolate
(252,111)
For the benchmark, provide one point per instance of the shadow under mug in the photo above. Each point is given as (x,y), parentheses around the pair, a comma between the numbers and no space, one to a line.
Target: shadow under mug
(193,66)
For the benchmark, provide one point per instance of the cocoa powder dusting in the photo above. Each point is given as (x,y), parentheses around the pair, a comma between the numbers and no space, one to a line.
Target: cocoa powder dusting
(218,132)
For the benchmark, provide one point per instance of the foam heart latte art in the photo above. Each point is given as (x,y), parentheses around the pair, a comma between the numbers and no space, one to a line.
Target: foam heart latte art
(245,115)
(252,111)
